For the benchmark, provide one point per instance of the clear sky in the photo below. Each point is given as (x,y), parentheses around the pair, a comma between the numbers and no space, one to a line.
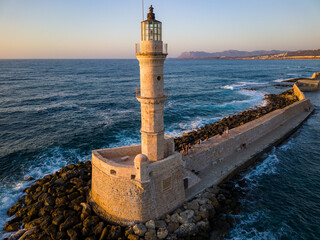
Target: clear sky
(110,28)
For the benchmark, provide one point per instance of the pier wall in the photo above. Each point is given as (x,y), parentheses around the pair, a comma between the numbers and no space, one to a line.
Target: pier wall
(219,156)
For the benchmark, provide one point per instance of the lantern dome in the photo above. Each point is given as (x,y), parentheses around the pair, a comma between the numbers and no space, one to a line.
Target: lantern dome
(151,29)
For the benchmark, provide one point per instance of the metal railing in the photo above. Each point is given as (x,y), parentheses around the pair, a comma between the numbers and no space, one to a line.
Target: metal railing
(164,48)
(140,93)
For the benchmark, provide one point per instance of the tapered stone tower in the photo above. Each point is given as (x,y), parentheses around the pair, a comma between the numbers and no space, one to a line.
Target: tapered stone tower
(142,182)
(151,95)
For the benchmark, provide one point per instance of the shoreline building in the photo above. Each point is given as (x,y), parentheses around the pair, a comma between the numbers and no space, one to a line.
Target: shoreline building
(138,183)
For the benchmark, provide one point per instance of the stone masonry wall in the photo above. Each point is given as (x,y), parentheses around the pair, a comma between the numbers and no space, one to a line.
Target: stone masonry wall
(216,149)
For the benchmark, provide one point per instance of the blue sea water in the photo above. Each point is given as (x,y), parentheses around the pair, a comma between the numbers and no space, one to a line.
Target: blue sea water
(54,112)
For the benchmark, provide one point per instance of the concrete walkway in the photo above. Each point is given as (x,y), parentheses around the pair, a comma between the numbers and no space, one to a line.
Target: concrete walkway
(223,168)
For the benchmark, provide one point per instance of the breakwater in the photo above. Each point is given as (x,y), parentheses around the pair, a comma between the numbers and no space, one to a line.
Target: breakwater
(274,101)
(56,206)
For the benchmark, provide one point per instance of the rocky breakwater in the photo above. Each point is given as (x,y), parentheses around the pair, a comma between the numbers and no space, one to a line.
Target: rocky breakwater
(274,102)
(56,207)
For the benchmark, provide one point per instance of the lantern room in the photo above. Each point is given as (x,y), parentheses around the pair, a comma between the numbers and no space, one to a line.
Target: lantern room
(151,28)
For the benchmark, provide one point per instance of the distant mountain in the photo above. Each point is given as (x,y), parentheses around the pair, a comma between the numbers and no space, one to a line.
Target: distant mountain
(301,54)
(227,54)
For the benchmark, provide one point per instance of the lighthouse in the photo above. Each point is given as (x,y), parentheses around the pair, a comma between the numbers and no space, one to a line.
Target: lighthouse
(141,182)
(151,54)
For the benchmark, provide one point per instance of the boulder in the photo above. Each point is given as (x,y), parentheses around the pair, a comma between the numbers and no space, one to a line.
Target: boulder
(68,223)
(73,235)
(186,229)
(193,205)
(150,224)
(139,229)
(17,235)
(162,233)
(14,209)
(99,228)
(172,226)
(160,224)
(186,216)
(150,235)
(91,221)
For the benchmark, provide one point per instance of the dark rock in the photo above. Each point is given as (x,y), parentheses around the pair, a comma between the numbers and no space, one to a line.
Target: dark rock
(104,234)
(160,224)
(58,219)
(51,231)
(60,182)
(186,229)
(115,232)
(150,224)
(12,227)
(172,226)
(17,235)
(68,223)
(34,223)
(150,235)
(162,233)
(99,228)
(14,209)
(139,229)
(133,237)
(61,235)
(91,221)
(73,235)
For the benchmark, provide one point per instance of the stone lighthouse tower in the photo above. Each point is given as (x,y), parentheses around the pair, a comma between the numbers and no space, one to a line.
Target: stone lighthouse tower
(141,182)
(151,55)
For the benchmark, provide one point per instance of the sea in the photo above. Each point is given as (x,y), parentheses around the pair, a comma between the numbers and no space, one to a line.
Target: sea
(55,112)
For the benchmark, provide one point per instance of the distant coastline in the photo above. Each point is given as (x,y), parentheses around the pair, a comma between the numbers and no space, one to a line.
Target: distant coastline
(255,55)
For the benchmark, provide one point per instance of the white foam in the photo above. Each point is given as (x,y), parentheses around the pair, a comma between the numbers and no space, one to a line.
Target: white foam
(267,167)
(46,163)
(279,80)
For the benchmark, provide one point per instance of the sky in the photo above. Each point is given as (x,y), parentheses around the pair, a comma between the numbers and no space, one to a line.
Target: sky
(39,29)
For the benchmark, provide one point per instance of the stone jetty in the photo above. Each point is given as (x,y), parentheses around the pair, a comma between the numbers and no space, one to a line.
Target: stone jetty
(275,101)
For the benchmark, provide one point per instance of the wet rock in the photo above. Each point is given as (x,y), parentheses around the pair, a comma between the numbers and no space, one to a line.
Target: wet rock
(193,205)
(172,226)
(203,225)
(58,219)
(104,234)
(68,223)
(60,182)
(186,216)
(162,233)
(160,224)
(17,235)
(139,229)
(14,209)
(86,210)
(186,229)
(133,237)
(175,218)
(90,221)
(150,224)
(151,235)
(51,231)
(12,226)
(33,223)
(99,228)
(115,232)
(73,235)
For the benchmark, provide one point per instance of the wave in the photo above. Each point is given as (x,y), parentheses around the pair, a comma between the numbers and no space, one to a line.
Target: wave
(267,167)
(240,85)
(234,86)
(249,226)
(50,161)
